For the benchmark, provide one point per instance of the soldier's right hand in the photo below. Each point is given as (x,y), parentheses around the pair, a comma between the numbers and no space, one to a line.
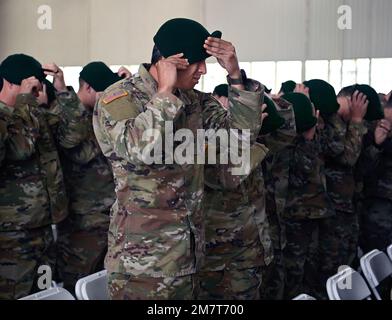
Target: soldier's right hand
(30,85)
(167,72)
(51,69)
(382,130)
(359,105)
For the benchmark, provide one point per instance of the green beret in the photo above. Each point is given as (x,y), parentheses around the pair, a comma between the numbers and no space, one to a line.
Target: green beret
(221,90)
(98,75)
(374,110)
(323,96)
(274,121)
(183,36)
(288,86)
(303,111)
(17,67)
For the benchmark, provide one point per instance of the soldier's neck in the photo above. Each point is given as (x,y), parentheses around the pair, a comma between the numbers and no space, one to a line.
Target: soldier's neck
(6,99)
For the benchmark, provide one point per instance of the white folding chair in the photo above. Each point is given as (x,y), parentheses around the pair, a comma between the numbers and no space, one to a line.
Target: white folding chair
(376,268)
(50,294)
(304,296)
(389,251)
(93,287)
(348,284)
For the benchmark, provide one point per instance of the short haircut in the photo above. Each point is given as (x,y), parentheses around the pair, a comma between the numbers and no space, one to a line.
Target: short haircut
(347,91)
(81,82)
(156,55)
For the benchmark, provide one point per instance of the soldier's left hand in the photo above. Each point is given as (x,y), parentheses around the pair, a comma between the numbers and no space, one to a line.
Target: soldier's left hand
(124,73)
(224,52)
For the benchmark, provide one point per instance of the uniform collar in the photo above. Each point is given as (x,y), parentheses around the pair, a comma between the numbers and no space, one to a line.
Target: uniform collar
(150,85)
(6,108)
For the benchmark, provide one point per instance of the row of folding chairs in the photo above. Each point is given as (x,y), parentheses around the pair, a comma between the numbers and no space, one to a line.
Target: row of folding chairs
(92,287)
(348,284)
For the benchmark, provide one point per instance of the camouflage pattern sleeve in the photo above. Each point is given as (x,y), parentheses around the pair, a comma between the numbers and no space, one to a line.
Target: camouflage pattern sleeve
(341,142)
(73,125)
(23,129)
(386,146)
(84,152)
(130,129)
(305,160)
(283,137)
(224,179)
(3,137)
(244,110)
(371,153)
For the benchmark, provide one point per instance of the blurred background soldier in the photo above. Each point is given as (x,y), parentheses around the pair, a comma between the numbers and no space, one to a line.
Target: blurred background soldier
(82,242)
(32,193)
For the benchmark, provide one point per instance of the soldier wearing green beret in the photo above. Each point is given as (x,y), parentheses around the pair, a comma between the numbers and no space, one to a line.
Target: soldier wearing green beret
(32,187)
(82,239)
(341,132)
(221,93)
(307,205)
(156,234)
(237,238)
(279,136)
(287,87)
(376,218)
(372,175)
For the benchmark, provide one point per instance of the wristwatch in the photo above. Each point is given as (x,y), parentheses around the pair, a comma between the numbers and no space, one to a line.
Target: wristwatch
(241,80)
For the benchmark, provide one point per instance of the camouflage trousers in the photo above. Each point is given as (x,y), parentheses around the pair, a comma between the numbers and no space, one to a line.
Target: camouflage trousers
(336,245)
(376,224)
(233,284)
(350,237)
(305,256)
(272,287)
(128,287)
(21,253)
(80,252)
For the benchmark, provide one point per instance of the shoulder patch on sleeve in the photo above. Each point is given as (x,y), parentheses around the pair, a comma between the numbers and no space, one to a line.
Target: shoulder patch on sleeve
(121,109)
(118,93)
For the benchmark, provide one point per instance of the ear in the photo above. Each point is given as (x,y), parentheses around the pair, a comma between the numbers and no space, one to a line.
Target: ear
(88,87)
(9,84)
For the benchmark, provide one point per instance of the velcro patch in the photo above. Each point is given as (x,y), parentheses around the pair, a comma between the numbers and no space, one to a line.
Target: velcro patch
(114,95)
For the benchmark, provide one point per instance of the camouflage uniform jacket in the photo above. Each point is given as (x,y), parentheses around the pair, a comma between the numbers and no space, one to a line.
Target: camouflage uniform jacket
(32,192)
(237,230)
(157,227)
(307,195)
(377,167)
(88,175)
(342,143)
(276,170)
